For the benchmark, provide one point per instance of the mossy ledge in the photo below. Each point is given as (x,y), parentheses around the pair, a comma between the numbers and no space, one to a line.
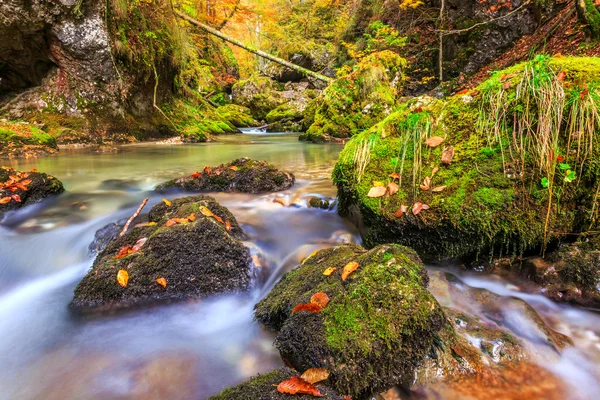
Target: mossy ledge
(377,327)
(21,139)
(524,170)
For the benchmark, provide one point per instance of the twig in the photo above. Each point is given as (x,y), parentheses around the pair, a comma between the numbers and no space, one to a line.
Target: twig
(130,220)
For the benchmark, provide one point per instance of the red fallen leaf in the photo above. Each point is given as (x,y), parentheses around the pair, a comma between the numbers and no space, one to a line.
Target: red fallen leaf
(418,207)
(5,200)
(207,170)
(321,299)
(13,178)
(162,282)
(297,385)
(434,141)
(13,188)
(392,188)
(377,191)
(196,175)
(227,225)
(561,76)
(401,211)
(175,221)
(417,110)
(138,245)
(506,85)
(123,252)
(308,307)
(349,269)
(560,159)
(207,213)
(21,186)
(583,93)
(448,155)
(16,198)
(464,91)
(26,182)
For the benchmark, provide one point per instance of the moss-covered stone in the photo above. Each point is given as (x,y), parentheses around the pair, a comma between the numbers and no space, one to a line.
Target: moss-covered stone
(241,175)
(13,183)
(197,258)
(239,116)
(358,98)
(504,191)
(21,139)
(259,94)
(264,387)
(377,327)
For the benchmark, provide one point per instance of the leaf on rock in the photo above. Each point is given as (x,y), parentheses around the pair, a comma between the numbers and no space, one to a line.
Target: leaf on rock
(329,271)
(315,375)
(349,269)
(26,182)
(162,282)
(207,170)
(207,213)
(123,252)
(175,221)
(16,198)
(434,141)
(309,256)
(461,92)
(297,385)
(122,277)
(167,202)
(418,207)
(438,189)
(321,299)
(233,168)
(227,225)
(448,155)
(401,211)
(196,175)
(308,307)
(392,188)
(5,200)
(377,191)
(138,245)
(192,217)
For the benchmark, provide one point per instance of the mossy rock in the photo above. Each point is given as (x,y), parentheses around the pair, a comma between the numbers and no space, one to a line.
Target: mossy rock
(264,387)
(197,258)
(42,186)
(377,327)
(197,121)
(258,93)
(241,175)
(359,98)
(22,139)
(502,192)
(239,116)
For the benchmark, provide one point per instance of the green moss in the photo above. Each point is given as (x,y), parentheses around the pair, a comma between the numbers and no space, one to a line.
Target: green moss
(18,134)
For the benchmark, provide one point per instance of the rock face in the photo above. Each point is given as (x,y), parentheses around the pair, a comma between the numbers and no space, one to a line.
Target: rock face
(489,189)
(379,324)
(264,387)
(241,175)
(197,257)
(25,188)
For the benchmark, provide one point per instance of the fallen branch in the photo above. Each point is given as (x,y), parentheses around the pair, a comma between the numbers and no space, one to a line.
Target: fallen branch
(130,220)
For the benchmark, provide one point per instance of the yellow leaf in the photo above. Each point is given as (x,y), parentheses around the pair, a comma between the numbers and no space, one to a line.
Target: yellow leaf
(162,282)
(349,269)
(167,202)
(233,168)
(150,224)
(378,183)
(311,254)
(207,213)
(122,277)
(329,271)
(314,375)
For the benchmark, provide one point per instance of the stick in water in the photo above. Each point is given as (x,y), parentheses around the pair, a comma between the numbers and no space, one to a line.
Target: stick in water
(139,210)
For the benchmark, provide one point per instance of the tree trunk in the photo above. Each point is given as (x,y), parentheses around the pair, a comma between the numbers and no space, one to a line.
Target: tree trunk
(252,50)
(589,15)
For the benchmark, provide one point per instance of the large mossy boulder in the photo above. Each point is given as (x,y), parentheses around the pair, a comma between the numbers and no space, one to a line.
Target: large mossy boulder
(259,93)
(241,175)
(22,139)
(264,387)
(197,256)
(19,189)
(379,324)
(359,98)
(516,167)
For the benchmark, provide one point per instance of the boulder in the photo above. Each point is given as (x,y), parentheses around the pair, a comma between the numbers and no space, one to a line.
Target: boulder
(258,93)
(22,139)
(241,175)
(378,326)
(488,189)
(196,255)
(19,189)
(264,387)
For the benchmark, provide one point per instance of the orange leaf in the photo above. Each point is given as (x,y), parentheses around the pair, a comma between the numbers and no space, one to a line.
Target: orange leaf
(506,85)
(349,269)
(329,271)
(434,171)
(297,385)
(321,299)
(227,225)
(418,207)
(167,202)
(561,76)
(464,91)
(395,175)
(34,170)
(314,375)
(5,200)
(434,141)
(310,255)
(448,155)
(392,188)
(196,175)
(438,189)
(377,191)
(583,93)
(233,168)
(308,307)
(138,245)
(171,222)
(26,182)
(122,277)
(123,252)
(207,170)
(280,201)
(21,186)
(207,213)
(16,198)
(401,211)
(162,282)
(192,217)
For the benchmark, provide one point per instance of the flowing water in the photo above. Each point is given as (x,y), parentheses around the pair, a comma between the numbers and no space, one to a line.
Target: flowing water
(193,349)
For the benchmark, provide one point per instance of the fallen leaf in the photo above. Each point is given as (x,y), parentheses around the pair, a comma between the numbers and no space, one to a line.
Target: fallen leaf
(377,191)
(392,188)
(448,155)
(395,175)
(138,245)
(378,183)
(401,211)
(434,171)
(175,221)
(308,307)
(167,202)
(16,198)
(122,277)
(321,299)
(233,168)
(418,207)
(315,375)
(206,170)
(162,282)
(349,269)
(561,76)
(309,256)
(438,189)
(192,217)
(329,271)
(583,93)
(207,213)
(279,200)
(196,175)
(34,170)
(26,182)
(5,200)
(434,141)
(297,385)
(464,91)
(123,252)
(506,85)
(227,225)
(150,224)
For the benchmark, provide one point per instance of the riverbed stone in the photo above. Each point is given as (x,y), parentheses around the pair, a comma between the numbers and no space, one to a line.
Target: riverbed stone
(198,256)
(42,186)
(379,324)
(241,175)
